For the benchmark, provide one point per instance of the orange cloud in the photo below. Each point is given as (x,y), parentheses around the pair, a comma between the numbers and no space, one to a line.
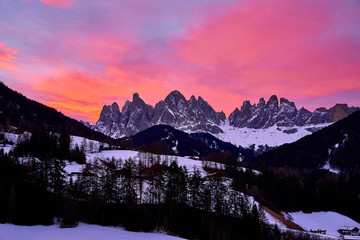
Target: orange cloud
(83,95)
(7,58)
(59,3)
(227,53)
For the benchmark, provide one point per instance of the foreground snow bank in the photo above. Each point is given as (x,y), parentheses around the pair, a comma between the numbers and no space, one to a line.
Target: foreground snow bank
(329,221)
(83,231)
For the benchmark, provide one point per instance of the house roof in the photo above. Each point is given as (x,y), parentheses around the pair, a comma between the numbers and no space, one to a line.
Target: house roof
(345,228)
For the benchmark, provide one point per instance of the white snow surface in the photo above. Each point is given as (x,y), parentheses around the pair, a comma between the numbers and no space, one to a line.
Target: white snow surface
(272,136)
(73,167)
(81,232)
(328,167)
(189,163)
(329,221)
(274,221)
(76,140)
(7,148)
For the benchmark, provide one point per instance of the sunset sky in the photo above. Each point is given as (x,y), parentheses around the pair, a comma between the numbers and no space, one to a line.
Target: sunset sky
(77,55)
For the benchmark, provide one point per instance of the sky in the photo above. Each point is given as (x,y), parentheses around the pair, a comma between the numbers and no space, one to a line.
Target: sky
(78,55)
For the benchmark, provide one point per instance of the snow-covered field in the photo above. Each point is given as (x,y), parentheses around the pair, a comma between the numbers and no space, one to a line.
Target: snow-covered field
(189,163)
(329,221)
(273,136)
(90,145)
(82,232)
(92,153)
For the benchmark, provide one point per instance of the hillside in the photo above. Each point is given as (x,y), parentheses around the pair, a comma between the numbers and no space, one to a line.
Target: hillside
(337,146)
(19,111)
(168,140)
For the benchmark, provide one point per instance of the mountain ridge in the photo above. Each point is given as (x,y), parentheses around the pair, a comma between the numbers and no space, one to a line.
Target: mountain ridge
(197,115)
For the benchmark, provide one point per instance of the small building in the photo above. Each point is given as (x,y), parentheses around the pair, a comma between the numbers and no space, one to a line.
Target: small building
(320,231)
(350,233)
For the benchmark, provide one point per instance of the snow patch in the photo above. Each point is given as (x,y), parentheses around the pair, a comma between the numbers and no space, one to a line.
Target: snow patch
(329,221)
(273,136)
(82,232)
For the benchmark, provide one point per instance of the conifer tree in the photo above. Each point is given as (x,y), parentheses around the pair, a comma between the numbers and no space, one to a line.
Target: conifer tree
(196,186)
(109,182)
(127,184)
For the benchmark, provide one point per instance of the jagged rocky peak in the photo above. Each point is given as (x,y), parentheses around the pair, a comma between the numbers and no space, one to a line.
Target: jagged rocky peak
(136,98)
(175,98)
(196,114)
(321,109)
(339,111)
(335,113)
(191,115)
(273,101)
(261,102)
(233,115)
(302,117)
(285,114)
(115,106)
(192,99)
(110,112)
(138,101)
(285,101)
(246,105)
(246,109)
(109,119)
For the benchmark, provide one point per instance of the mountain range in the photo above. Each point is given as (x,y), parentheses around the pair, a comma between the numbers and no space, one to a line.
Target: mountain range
(18,113)
(196,115)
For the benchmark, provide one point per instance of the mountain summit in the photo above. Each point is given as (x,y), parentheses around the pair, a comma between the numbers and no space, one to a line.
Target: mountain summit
(188,115)
(285,114)
(196,115)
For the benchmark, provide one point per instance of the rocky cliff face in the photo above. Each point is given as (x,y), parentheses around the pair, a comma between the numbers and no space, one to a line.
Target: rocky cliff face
(197,115)
(285,114)
(188,115)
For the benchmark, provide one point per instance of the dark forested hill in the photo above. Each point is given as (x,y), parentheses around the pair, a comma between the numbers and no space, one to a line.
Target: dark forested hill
(19,111)
(339,144)
(165,139)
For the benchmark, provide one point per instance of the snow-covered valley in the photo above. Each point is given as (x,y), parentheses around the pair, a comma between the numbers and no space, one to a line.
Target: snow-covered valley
(331,222)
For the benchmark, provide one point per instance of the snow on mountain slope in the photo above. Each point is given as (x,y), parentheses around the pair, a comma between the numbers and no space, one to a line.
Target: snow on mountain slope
(329,221)
(270,123)
(272,136)
(81,232)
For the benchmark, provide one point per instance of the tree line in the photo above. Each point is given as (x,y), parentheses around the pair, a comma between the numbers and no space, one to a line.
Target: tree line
(147,194)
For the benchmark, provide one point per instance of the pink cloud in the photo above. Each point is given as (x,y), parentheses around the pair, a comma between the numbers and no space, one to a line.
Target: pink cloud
(227,52)
(7,57)
(59,3)
(78,93)
(296,49)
